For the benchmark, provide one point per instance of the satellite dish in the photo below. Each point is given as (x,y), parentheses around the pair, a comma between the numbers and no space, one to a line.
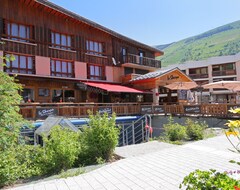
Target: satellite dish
(114,61)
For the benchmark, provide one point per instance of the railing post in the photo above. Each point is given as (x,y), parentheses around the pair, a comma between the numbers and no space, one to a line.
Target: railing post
(127,136)
(34,112)
(123,135)
(133,133)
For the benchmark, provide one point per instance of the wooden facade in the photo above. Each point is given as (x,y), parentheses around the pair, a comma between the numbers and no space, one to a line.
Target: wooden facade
(46,34)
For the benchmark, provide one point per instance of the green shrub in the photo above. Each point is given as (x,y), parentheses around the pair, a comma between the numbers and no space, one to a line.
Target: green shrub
(61,149)
(174,131)
(209,180)
(20,162)
(195,130)
(99,139)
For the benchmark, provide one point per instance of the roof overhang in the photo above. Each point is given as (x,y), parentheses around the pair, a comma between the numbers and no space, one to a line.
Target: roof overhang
(88,22)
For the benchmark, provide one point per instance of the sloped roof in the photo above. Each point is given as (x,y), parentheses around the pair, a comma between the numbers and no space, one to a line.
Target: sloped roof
(155,74)
(52,121)
(94,24)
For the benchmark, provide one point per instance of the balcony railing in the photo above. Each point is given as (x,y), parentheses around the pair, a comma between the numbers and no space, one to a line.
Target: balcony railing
(136,59)
(198,76)
(97,59)
(223,73)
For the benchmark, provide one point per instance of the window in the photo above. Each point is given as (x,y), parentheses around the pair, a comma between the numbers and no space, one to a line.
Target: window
(44,92)
(61,68)
(94,48)
(21,64)
(62,41)
(19,32)
(141,72)
(95,72)
(60,95)
(57,95)
(28,95)
(124,54)
(128,70)
(141,55)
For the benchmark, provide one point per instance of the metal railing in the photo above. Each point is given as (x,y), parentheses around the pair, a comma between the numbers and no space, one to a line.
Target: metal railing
(136,132)
(146,61)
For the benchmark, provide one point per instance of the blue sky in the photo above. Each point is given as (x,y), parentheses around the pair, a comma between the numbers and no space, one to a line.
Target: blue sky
(156,22)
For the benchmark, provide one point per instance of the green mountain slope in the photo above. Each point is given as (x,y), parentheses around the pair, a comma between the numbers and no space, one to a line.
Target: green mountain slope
(224,40)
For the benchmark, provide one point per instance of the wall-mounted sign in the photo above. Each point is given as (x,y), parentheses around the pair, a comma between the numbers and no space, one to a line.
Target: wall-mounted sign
(42,113)
(158,109)
(192,109)
(103,110)
(172,77)
(81,86)
(146,109)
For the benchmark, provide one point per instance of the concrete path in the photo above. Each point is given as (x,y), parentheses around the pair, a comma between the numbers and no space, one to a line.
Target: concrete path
(163,169)
(142,149)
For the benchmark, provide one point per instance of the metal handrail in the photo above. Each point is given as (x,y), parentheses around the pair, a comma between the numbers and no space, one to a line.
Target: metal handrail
(136,132)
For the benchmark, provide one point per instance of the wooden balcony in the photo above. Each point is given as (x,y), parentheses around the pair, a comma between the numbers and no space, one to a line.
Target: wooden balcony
(224,73)
(33,111)
(145,61)
(97,59)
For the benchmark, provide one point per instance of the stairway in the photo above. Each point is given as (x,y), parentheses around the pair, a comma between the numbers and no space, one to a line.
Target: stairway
(136,132)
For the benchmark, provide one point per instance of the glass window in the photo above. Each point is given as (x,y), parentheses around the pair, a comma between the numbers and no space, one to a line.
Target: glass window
(62,41)
(95,72)
(14,29)
(28,95)
(69,96)
(57,96)
(15,62)
(58,66)
(18,32)
(95,48)
(43,92)
(21,64)
(64,67)
(61,68)
(30,61)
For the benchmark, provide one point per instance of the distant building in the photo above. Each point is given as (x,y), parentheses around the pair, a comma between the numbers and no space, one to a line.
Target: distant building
(214,69)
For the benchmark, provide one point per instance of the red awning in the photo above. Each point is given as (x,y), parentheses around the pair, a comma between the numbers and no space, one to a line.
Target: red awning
(114,87)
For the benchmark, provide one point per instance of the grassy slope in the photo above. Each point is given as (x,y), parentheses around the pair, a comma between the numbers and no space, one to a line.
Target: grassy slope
(224,40)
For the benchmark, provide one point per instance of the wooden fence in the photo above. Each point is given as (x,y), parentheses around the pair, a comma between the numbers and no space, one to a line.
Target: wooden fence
(35,111)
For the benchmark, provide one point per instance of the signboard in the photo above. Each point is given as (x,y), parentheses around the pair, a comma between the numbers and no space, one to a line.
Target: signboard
(103,110)
(81,86)
(42,113)
(229,107)
(146,109)
(192,109)
(158,109)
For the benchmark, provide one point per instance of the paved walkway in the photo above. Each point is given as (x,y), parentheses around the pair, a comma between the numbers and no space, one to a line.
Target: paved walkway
(162,169)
